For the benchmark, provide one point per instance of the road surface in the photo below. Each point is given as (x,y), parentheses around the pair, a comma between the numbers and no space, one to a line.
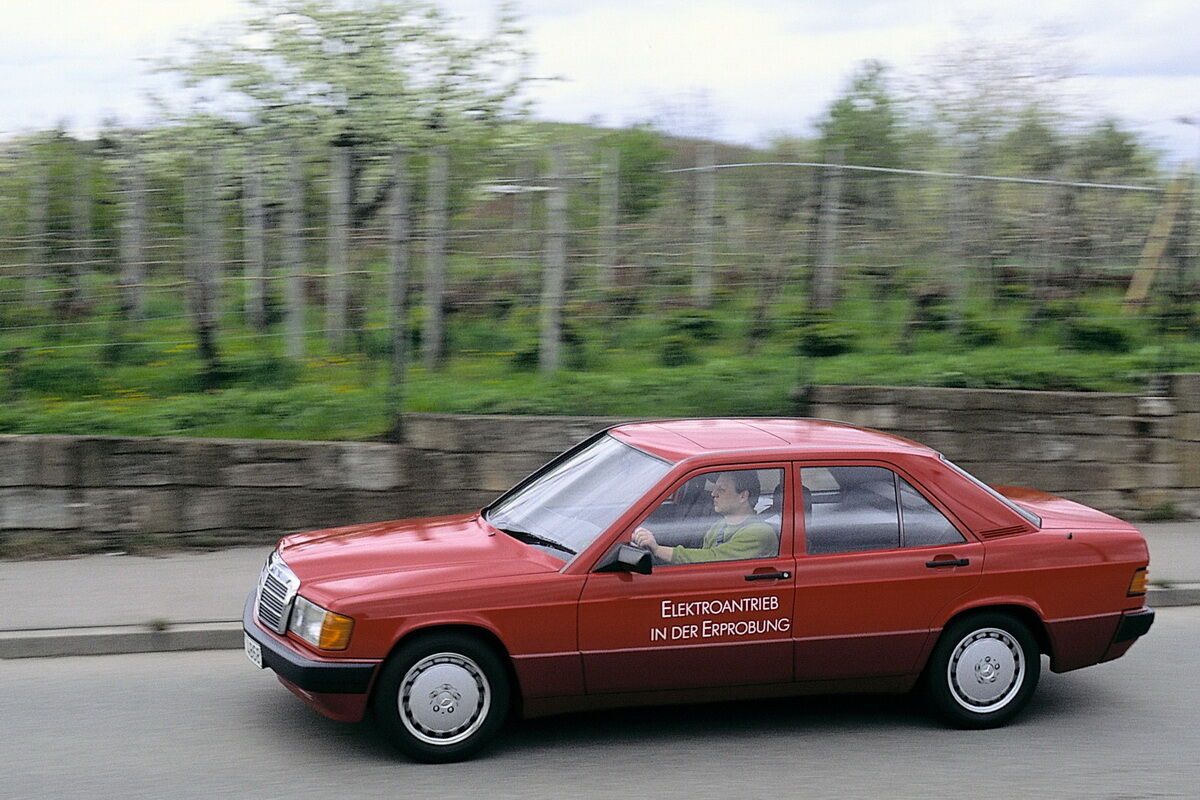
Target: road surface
(203,725)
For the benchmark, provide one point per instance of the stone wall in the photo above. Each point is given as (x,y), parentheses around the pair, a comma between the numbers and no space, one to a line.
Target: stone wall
(458,462)
(62,494)
(1132,455)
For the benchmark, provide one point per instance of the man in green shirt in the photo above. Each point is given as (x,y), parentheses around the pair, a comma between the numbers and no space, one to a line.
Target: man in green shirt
(740,534)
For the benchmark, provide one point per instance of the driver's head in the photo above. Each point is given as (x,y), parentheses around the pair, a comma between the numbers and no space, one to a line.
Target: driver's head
(735,492)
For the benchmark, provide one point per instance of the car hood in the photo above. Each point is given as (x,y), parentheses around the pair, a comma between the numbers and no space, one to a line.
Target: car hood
(340,563)
(1059,512)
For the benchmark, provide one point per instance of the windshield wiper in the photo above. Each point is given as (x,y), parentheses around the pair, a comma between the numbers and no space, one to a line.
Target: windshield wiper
(528,537)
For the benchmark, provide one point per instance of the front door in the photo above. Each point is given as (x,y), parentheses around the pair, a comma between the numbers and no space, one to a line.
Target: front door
(706,622)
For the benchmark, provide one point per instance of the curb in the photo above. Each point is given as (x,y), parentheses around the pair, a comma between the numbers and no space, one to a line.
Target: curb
(227,635)
(1184,594)
(120,639)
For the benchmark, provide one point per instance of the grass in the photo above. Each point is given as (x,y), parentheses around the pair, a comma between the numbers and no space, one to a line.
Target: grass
(96,378)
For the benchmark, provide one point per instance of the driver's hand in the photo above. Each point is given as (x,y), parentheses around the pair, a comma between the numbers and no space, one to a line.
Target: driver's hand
(644,538)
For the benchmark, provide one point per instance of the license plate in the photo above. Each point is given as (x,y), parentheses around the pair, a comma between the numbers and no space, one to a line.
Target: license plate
(253,650)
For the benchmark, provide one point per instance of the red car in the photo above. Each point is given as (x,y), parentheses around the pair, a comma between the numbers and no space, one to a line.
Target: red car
(694,560)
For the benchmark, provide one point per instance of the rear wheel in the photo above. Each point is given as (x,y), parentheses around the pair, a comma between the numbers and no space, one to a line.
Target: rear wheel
(983,671)
(442,697)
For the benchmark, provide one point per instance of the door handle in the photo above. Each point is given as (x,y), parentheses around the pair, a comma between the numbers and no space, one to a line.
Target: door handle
(953,562)
(768,576)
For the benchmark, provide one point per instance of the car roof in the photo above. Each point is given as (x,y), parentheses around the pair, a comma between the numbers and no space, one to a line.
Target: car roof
(677,439)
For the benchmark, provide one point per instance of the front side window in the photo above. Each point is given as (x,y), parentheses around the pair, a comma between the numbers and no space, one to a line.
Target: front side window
(857,508)
(563,509)
(731,515)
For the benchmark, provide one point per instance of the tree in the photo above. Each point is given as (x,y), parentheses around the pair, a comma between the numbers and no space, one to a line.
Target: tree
(1034,147)
(974,92)
(977,88)
(361,77)
(640,157)
(863,124)
(1108,152)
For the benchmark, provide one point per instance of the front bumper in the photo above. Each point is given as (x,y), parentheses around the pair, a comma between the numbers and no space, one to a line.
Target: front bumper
(310,675)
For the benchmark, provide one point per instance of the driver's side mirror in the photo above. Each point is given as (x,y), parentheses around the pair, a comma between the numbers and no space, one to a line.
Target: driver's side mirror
(628,559)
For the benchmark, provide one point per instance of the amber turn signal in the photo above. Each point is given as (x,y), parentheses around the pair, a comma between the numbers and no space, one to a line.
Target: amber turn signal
(335,632)
(1137,585)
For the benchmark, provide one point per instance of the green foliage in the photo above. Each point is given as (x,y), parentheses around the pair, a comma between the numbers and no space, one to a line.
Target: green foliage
(1178,315)
(525,359)
(638,374)
(641,156)
(1108,152)
(981,333)
(677,350)
(1091,336)
(302,412)
(931,309)
(1166,512)
(1054,311)
(703,326)
(358,73)
(337,79)
(863,123)
(57,376)
(1035,145)
(862,127)
(261,371)
(471,334)
(623,302)
(821,337)
(127,353)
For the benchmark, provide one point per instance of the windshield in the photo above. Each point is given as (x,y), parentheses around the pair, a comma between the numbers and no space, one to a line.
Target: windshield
(1024,512)
(575,500)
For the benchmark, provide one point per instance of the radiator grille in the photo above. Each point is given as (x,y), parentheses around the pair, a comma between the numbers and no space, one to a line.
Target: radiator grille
(276,590)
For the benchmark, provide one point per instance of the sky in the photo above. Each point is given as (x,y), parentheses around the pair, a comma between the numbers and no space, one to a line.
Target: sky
(742,71)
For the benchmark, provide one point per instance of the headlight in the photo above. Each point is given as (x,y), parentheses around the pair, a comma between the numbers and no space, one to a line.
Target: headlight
(320,628)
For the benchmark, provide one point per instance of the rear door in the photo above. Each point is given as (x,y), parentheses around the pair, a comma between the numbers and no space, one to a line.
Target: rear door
(877,560)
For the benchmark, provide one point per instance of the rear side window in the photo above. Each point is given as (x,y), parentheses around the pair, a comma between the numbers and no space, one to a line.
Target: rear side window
(922,524)
(853,508)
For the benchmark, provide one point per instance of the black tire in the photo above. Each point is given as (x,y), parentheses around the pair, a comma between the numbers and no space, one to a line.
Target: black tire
(442,696)
(983,671)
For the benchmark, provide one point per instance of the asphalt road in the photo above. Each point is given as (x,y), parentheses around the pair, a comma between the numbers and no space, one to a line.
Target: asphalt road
(204,725)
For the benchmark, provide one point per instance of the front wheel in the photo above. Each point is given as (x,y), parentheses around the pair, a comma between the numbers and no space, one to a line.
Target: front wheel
(442,697)
(983,671)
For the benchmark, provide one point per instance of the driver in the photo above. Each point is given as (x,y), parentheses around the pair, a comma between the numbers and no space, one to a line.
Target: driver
(739,535)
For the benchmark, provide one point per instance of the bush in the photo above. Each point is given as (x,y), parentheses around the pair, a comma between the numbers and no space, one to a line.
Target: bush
(822,339)
(1053,311)
(1012,292)
(623,302)
(375,344)
(57,376)
(1178,316)
(981,333)
(261,372)
(128,353)
(698,325)
(578,352)
(677,351)
(1088,336)
(525,359)
(480,335)
(931,309)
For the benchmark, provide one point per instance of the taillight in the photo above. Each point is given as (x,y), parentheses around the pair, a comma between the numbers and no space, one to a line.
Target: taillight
(1137,585)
